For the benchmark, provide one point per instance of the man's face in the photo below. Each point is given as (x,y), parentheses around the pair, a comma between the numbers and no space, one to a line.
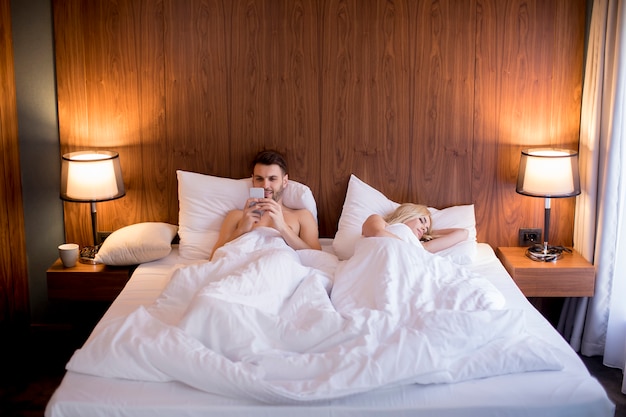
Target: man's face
(271,179)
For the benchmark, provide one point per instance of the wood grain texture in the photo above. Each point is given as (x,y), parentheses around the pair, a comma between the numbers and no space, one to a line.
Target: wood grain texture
(428,101)
(14,304)
(196,95)
(565,107)
(85,282)
(72,102)
(152,193)
(275,86)
(113,94)
(570,276)
(485,176)
(520,102)
(365,105)
(525,100)
(443,47)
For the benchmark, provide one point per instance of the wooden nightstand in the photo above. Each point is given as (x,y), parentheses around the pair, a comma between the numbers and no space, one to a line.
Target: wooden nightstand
(85,282)
(570,276)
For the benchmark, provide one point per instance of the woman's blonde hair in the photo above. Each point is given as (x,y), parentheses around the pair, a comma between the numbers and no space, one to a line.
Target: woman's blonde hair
(410,211)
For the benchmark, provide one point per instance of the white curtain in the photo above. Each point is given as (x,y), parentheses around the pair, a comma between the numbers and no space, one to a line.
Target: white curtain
(599,327)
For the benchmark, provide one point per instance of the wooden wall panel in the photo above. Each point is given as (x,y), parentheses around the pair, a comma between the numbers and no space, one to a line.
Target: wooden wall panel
(275,85)
(111,98)
(428,101)
(152,192)
(365,105)
(196,94)
(525,69)
(442,46)
(484,178)
(14,305)
(521,101)
(565,106)
(72,102)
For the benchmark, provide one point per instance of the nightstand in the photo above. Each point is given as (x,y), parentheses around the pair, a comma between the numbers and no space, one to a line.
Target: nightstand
(84,282)
(570,276)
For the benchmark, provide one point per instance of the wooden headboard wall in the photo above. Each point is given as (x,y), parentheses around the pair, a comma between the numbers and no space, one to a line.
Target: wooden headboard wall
(428,101)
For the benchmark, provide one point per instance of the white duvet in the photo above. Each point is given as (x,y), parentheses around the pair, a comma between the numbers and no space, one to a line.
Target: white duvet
(266,322)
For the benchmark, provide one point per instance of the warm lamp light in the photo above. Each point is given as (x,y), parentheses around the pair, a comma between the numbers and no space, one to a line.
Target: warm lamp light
(548,173)
(90,177)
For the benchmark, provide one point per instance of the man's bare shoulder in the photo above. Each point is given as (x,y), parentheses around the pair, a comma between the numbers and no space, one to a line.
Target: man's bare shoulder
(301,214)
(233,215)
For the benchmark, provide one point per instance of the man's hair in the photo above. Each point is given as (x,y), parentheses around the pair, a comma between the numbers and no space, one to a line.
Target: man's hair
(270,157)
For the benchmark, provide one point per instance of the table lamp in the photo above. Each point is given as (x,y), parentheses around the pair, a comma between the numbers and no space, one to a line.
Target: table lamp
(548,173)
(90,177)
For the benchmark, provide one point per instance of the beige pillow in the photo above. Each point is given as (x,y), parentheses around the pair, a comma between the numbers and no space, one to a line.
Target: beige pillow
(137,243)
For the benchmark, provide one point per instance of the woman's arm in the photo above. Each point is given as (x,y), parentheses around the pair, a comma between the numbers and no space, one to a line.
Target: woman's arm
(375,226)
(445,238)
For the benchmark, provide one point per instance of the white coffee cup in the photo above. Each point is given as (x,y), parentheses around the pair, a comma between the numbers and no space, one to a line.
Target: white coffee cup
(68,252)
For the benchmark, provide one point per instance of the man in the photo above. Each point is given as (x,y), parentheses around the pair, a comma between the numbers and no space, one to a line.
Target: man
(297,227)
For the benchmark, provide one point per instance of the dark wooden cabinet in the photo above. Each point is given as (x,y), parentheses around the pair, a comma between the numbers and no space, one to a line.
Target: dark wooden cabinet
(85,282)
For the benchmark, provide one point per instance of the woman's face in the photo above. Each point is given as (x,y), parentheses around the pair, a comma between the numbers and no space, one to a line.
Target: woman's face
(419,225)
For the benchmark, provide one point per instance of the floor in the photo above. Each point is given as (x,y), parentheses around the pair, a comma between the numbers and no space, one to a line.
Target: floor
(611,380)
(37,361)
(34,369)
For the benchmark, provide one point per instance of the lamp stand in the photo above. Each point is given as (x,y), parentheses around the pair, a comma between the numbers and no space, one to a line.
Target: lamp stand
(545,252)
(88,253)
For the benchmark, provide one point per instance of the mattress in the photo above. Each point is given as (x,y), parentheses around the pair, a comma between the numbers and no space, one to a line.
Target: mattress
(570,392)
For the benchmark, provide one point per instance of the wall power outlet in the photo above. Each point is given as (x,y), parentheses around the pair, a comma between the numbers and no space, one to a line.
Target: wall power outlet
(102,235)
(529,237)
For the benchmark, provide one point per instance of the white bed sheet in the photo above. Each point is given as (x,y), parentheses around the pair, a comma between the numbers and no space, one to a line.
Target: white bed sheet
(570,392)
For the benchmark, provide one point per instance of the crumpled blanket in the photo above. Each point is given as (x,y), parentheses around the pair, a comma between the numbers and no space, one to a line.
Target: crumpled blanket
(265,322)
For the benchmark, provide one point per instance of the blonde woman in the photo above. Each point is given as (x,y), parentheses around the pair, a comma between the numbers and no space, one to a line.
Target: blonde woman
(417,218)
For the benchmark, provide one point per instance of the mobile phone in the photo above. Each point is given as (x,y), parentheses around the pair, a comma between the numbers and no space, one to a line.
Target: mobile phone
(257,192)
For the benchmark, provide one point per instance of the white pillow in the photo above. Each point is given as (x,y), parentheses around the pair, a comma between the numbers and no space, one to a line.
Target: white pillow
(455,217)
(462,253)
(137,243)
(204,201)
(362,200)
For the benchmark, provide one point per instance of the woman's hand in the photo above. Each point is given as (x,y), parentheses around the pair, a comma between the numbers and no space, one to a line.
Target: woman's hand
(445,238)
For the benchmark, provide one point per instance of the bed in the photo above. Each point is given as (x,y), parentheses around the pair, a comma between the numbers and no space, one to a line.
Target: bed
(496,377)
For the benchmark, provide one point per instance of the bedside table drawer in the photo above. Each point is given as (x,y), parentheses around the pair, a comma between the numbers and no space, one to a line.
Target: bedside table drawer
(566,283)
(570,276)
(85,282)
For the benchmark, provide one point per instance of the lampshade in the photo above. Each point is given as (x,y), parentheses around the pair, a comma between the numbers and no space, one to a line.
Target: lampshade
(90,176)
(547,172)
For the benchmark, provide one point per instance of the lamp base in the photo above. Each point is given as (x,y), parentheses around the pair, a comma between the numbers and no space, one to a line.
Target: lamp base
(546,253)
(88,254)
